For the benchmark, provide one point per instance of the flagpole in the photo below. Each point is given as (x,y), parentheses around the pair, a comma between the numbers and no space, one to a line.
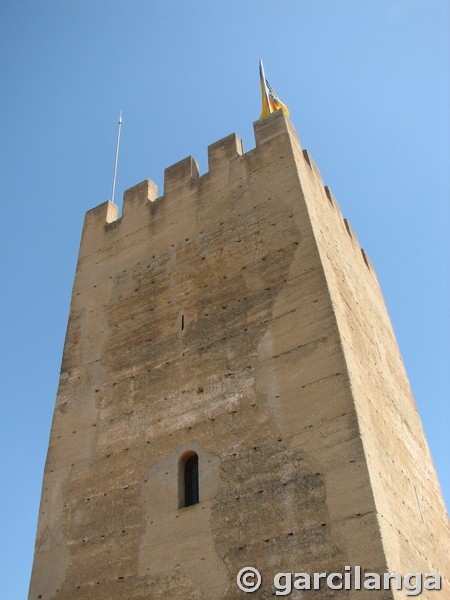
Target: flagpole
(264,84)
(117,156)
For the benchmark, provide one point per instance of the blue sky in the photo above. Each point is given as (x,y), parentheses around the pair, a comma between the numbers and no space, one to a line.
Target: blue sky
(367,84)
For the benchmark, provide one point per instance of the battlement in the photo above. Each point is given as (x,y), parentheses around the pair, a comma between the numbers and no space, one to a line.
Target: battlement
(184,186)
(185,173)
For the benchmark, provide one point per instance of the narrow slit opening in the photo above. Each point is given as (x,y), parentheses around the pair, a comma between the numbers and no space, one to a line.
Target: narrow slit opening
(188,480)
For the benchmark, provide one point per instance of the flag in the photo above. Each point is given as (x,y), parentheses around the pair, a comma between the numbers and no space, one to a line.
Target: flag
(270,101)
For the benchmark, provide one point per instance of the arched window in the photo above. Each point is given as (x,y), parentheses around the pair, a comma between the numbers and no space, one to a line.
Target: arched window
(188,493)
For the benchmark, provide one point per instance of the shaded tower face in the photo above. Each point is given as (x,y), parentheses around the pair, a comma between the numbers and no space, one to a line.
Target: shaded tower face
(231,395)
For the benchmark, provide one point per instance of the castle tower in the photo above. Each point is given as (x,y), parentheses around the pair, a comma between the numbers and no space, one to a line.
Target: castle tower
(231,395)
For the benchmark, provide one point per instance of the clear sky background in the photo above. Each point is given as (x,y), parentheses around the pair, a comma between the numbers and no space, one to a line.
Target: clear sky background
(367,84)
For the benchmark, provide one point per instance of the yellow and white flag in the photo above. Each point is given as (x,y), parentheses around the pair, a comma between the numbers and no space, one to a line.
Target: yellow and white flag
(270,101)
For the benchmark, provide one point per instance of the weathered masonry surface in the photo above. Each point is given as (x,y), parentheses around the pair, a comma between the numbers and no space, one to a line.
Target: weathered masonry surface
(236,319)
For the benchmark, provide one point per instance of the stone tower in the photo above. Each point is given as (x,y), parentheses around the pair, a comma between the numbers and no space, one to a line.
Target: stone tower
(232,326)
